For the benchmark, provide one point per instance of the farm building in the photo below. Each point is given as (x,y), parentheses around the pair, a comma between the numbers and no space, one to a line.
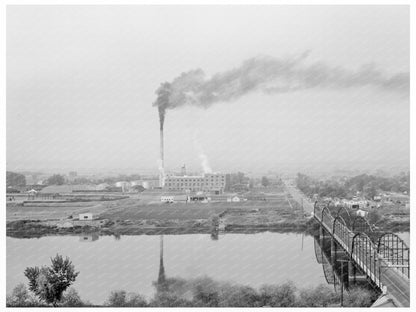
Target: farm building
(85,216)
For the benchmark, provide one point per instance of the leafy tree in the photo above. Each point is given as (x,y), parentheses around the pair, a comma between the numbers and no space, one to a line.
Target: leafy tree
(49,283)
(265,182)
(56,179)
(15,179)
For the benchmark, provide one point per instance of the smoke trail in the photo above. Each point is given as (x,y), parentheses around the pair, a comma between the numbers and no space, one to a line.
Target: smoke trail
(202,156)
(269,75)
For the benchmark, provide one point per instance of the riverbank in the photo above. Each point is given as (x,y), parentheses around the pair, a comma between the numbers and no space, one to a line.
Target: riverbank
(145,214)
(37,228)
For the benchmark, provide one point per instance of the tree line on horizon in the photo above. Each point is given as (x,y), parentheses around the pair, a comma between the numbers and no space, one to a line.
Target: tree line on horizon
(368,185)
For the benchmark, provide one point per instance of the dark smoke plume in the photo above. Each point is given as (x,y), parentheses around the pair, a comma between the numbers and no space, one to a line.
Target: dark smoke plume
(269,75)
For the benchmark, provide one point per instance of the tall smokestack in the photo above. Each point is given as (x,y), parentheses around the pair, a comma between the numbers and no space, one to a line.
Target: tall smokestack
(162,161)
(162,102)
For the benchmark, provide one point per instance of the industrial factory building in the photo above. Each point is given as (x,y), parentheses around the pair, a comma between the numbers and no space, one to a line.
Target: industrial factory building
(209,182)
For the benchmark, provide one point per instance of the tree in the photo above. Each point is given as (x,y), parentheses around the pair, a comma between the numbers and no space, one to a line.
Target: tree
(15,179)
(265,182)
(56,179)
(49,283)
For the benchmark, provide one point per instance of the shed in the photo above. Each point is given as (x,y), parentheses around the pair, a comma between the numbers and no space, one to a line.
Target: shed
(85,216)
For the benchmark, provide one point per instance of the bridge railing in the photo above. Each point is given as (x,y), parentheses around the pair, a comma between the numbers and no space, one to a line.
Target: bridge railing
(362,250)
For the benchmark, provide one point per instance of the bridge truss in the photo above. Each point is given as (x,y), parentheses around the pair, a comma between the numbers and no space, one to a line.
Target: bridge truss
(380,262)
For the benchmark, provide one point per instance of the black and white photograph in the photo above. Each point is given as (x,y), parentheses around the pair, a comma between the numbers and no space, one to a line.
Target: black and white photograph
(228,155)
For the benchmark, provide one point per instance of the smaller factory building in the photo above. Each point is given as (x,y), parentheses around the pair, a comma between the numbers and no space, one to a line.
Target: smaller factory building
(209,182)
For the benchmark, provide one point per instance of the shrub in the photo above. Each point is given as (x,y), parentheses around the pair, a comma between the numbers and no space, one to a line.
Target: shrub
(358,297)
(320,296)
(70,298)
(120,298)
(278,296)
(239,296)
(20,297)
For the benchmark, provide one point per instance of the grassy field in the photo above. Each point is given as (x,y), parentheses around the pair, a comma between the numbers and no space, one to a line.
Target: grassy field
(145,211)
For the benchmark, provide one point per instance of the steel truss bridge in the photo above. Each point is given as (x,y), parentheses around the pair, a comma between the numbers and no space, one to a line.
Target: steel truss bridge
(382,257)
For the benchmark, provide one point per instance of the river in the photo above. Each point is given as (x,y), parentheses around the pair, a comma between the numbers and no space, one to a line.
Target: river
(131,263)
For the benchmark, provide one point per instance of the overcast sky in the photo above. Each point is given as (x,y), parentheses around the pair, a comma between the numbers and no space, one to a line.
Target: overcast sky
(81,81)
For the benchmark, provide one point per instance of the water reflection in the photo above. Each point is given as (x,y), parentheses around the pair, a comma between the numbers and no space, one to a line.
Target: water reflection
(337,266)
(134,263)
(161,280)
(90,237)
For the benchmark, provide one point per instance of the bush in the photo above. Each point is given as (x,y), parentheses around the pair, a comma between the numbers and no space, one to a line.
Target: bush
(205,293)
(166,299)
(20,297)
(239,296)
(278,296)
(70,298)
(359,297)
(121,298)
(117,298)
(320,296)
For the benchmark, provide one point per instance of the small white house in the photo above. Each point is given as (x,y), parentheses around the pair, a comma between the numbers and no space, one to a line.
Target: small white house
(235,199)
(85,216)
(362,213)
